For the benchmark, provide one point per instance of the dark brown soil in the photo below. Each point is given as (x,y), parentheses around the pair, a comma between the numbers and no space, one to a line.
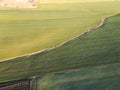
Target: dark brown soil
(23,84)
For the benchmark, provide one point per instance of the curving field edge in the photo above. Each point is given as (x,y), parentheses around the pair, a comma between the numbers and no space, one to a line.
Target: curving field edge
(62,44)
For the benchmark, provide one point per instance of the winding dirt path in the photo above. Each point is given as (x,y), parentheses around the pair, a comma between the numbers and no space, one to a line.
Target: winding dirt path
(62,44)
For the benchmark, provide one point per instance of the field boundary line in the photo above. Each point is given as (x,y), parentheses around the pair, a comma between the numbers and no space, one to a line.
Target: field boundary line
(62,44)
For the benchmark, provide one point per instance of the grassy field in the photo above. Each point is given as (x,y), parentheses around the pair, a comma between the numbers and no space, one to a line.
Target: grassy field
(90,79)
(24,31)
(72,1)
(99,47)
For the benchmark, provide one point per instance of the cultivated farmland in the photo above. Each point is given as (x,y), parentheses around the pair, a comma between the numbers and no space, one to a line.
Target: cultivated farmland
(88,62)
(99,47)
(24,31)
(90,79)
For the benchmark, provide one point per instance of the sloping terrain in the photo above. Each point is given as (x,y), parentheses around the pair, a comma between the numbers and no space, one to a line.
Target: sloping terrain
(99,47)
(24,31)
(102,77)
(105,78)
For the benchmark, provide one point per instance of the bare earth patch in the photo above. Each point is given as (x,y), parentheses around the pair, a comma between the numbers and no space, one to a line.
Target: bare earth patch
(18,3)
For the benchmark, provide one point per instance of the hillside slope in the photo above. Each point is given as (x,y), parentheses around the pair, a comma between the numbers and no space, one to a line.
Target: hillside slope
(25,31)
(104,78)
(99,47)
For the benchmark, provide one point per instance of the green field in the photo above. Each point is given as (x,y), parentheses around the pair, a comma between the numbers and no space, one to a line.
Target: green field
(24,31)
(99,47)
(90,79)
(72,1)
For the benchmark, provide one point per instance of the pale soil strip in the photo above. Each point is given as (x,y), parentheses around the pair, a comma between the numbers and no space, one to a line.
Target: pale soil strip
(62,44)
(18,3)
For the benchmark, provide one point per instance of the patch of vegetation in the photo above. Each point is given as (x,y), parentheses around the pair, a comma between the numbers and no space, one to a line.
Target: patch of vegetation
(99,47)
(24,31)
